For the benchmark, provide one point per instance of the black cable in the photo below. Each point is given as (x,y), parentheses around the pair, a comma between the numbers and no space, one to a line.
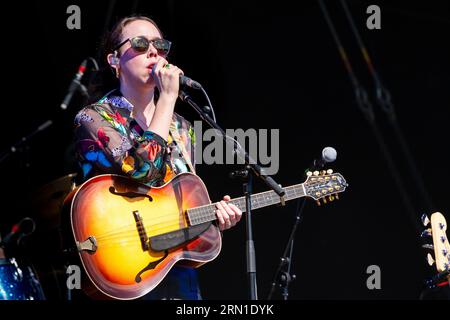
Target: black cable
(383,98)
(366,107)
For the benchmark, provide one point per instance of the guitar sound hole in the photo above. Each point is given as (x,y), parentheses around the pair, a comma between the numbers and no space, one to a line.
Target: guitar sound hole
(130,194)
(150,266)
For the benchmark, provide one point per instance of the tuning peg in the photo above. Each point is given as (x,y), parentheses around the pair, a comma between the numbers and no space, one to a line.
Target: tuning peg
(428,246)
(331,197)
(330,171)
(336,196)
(318,202)
(323,172)
(425,220)
(309,174)
(426,233)
(430,259)
(316,173)
(324,200)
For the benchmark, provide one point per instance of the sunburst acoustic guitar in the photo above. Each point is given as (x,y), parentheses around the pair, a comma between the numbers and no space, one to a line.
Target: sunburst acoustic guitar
(129,235)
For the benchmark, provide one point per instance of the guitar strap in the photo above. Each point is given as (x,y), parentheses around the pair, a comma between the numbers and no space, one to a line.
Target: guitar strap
(176,137)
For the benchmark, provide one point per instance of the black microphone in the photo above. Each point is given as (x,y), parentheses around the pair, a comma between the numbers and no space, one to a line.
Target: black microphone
(329,155)
(24,227)
(74,84)
(188,82)
(184,81)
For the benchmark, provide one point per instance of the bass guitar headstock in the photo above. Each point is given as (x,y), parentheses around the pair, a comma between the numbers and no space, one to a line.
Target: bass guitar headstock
(440,246)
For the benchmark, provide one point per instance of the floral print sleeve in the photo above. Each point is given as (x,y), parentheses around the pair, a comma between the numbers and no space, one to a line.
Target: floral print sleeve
(106,143)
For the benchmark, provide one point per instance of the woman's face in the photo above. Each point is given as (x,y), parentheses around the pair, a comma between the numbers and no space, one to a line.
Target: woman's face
(136,67)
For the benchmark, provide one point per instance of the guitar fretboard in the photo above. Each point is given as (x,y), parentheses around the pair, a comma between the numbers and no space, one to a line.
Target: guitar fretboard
(207,213)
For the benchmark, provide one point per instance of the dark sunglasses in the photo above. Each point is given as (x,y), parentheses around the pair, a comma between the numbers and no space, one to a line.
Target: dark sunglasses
(141,44)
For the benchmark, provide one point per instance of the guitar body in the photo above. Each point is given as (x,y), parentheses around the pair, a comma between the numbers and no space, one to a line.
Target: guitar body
(128,235)
(104,210)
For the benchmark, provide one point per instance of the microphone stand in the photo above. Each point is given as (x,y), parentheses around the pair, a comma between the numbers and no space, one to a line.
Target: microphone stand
(17,146)
(22,146)
(250,168)
(284,278)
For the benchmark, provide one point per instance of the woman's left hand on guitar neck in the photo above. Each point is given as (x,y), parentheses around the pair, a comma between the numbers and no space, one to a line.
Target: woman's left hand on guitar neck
(227,214)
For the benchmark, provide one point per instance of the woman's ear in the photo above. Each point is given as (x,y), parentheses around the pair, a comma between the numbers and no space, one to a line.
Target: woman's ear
(113,61)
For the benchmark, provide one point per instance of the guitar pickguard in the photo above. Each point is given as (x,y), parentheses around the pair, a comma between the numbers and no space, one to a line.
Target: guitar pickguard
(175,238)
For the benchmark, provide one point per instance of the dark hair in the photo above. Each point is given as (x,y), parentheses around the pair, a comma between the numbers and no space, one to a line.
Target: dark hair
(104,80)
(114,37)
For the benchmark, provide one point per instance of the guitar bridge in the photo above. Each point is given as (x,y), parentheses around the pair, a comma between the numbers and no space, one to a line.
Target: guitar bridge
(141,230)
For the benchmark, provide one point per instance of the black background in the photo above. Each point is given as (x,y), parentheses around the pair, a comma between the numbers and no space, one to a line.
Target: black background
(264,66)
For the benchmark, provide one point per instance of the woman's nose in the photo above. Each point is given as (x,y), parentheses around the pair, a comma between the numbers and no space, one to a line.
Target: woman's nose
(152,50)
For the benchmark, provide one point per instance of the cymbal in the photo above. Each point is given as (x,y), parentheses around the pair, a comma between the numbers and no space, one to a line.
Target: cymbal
(48,200)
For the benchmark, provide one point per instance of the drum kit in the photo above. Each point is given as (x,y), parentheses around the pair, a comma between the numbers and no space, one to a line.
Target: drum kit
(41,274)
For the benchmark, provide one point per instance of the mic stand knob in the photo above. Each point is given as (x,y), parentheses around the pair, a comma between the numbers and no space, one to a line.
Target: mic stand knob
(285,278)
(241,174)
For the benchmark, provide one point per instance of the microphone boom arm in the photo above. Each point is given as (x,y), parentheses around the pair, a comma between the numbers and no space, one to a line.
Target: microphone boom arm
(259,172)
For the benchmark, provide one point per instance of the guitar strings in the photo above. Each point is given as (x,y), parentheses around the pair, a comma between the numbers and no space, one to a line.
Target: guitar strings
(201,212)
(158,223)
(120,242)
(164,223)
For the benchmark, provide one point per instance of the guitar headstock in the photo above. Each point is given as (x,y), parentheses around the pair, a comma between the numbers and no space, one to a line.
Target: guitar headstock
(324,185)
(441,245)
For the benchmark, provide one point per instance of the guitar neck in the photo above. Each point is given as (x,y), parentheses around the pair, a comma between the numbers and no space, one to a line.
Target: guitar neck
(207,213)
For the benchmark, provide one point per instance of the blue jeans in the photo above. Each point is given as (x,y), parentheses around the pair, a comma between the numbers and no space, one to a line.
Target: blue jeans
(181,283)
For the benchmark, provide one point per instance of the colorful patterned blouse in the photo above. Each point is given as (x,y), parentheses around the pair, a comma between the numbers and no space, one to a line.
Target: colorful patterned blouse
(109,140)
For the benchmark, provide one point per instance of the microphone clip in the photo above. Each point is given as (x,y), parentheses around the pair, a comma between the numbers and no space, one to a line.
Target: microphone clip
(23,228)
(241,174)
